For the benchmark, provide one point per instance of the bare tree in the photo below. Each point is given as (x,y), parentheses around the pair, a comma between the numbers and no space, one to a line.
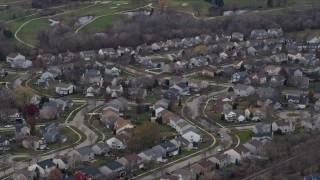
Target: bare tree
(197,7)
(4,161)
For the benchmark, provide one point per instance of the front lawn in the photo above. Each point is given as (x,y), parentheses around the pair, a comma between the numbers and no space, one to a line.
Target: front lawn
(244,135)
(293,114)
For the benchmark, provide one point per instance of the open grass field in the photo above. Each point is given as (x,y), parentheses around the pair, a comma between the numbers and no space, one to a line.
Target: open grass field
(244,135)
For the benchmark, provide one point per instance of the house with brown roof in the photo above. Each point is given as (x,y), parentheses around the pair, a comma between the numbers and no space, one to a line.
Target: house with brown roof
(253,145)
(220,159)
(34,142)
(197,85)
(284,126)
(132,160)
(203,166)
(238,153)
(122,125)
(120,141)
(51,84)
(256,114)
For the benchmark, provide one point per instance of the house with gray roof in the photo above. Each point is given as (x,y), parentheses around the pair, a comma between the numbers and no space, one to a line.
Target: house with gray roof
(236,36)
(239,76)
(120,103)
(167,149)
(50,132)
(161,103)
(22,130)
(44,167)
(266,92)
(107,53)
(262,132)
(113,168)
(259,34)
(243,90)
(88,55)
(101,148)
(85,153)
(150,155)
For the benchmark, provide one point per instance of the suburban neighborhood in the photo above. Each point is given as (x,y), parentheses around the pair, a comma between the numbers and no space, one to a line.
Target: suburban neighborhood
(228,104)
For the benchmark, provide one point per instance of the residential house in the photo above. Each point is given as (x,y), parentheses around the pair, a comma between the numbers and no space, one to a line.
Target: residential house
(236,36)
(277,81)
(164,103)
(183,143)
(284,126)
(182,126)
(256,79)
(3,73)
(243,90)
(262,132)
(109,116)
(13,57)
(21,63)
(197,85)
(22,130)
(144,49)
(9,115)
(199,61)
(33,142)
(114,91)
(253,145)
(186,174)
(259,66)
(4,144)
(61,161)
(279,58)
(239,76)
(113,168)
(120,141)
(132,160)
(92,77)
(166,116)
(203,39)
(112,70)
(108,53)
(119,103)
(299,101)
(191,134)
(47,58)
(67,56)
(209,71)
(88,173)
(178,79)
(203,166)
(275,32)
(44,167)
(188,42)
(259,34)
(311,123)
(150,156)
(173,43)
(233,115)
(23,174)
(256,114)
(221,159)
(87,55)
(266,92)
(183,88)
(125,50)
(85,153)
(167,149)
(51,84)
(65,89)
(317,105)
(157,46)
(50,132)
(122,125)
(238,153)
(174,120)
(101,148)
(137,93)
(273,70)
(301,82)
(171,93)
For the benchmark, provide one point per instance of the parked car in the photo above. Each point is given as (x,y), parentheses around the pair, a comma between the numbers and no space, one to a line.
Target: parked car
(164,160)
(8,126)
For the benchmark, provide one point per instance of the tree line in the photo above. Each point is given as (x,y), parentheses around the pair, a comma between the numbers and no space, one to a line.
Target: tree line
(169,25)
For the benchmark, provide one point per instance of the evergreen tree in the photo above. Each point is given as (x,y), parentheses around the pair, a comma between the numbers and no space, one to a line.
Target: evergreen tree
(270,3)
(222,118)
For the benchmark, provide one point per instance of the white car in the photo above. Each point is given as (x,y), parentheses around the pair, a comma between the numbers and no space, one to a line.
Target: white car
(219,150)
(221,136)
(164,160)
(8,126)
(197,95)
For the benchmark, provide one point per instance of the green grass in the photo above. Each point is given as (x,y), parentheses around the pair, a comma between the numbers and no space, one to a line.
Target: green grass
(144,117)
(101,161)
(30,31)
(244,135)
(293,114)
(125,74)
(102,23)
(20,159)
(72,137)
